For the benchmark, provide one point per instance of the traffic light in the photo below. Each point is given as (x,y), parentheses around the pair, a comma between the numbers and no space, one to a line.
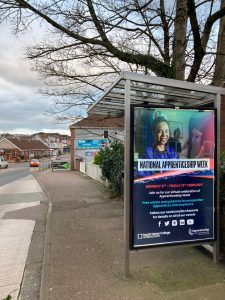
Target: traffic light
(106,134)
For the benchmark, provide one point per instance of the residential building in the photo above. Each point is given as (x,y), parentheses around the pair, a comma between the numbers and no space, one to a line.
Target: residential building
(14,148)
(90,134)
(57,142)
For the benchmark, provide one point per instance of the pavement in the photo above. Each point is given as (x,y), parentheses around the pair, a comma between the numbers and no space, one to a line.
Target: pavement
(84,248)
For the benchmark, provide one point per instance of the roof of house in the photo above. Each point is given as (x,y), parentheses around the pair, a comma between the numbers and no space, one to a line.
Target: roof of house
(27,144)
(99,121)
(45,135)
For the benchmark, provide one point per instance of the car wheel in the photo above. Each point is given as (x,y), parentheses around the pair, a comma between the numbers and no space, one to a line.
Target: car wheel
(6,166)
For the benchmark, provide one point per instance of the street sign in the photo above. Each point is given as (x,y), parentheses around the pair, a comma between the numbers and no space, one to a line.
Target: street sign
(64,165)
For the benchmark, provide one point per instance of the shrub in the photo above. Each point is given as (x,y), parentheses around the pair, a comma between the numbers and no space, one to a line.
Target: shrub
(7,298)
(111,162)
(97,158)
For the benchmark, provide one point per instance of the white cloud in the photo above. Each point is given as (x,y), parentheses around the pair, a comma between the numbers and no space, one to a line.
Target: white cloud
(61,131)
(28,131)
(21,106)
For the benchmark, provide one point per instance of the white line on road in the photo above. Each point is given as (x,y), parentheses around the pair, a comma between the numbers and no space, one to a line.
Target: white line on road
(24,185)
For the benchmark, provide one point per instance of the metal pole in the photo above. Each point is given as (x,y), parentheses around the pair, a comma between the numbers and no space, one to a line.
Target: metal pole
(216,244)
(127,181)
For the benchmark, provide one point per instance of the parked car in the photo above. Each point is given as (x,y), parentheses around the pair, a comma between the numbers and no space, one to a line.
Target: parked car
(34,163)
(3,163)
(55,157)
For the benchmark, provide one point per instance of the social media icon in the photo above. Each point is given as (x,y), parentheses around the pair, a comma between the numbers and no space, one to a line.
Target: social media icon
(166,223)
(182,222)
(139,236)
(174,222)
(190,221)
(159,223)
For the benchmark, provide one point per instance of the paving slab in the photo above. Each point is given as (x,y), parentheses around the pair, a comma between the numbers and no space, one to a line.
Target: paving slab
(13,290)
(16,231)
(15,238)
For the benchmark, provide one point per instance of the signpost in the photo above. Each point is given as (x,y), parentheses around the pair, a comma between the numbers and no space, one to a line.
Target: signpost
(58,164)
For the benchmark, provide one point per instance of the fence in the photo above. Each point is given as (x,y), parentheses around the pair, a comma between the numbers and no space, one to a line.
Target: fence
(92,171)
(83,167)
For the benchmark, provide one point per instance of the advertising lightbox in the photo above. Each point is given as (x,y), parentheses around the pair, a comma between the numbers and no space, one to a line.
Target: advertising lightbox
(91,144)
(172,176)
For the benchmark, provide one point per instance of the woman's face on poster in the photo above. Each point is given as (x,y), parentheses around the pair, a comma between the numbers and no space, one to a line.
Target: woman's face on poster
(161,133)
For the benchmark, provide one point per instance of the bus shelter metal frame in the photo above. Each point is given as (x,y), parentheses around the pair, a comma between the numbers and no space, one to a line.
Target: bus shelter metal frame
(133,88)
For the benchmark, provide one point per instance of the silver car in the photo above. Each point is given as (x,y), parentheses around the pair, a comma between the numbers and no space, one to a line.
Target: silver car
(3,163)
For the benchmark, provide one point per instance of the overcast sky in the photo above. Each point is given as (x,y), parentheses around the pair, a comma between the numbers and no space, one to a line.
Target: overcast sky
(22,108)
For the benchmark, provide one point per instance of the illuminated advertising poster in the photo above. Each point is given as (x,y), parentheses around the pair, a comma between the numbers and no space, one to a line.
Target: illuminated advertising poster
(91,144)
(173,176)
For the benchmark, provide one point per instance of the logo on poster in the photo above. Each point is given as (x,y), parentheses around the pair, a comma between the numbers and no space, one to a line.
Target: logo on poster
(182,222)
(151,235)
(190,221)
(203,231)
(166,223)
(174,222)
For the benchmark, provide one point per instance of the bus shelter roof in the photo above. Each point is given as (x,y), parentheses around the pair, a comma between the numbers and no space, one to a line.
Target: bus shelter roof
(155,91)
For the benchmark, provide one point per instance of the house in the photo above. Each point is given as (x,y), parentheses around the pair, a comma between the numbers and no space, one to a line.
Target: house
(57,142)
(23,148)
(90,134)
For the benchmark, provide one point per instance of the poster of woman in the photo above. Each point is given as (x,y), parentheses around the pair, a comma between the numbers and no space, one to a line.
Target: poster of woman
(173,175)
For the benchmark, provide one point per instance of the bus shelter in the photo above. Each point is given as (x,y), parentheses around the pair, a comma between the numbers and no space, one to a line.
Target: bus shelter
(173,199)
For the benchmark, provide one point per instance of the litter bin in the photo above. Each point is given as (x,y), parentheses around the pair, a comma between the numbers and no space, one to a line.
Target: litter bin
(77,163)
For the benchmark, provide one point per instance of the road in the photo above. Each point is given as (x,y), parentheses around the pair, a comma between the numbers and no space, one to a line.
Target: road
(16,171)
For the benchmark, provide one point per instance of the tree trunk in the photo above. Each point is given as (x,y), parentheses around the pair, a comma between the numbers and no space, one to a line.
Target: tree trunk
(179,45)
(219,74)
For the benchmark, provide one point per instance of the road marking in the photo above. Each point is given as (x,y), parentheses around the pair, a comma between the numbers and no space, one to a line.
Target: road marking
(21,187)
(12,169)
(11,207)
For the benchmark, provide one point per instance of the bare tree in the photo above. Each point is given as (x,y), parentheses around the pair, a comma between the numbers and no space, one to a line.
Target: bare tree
(219,74)
(180,40)
(91,41)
